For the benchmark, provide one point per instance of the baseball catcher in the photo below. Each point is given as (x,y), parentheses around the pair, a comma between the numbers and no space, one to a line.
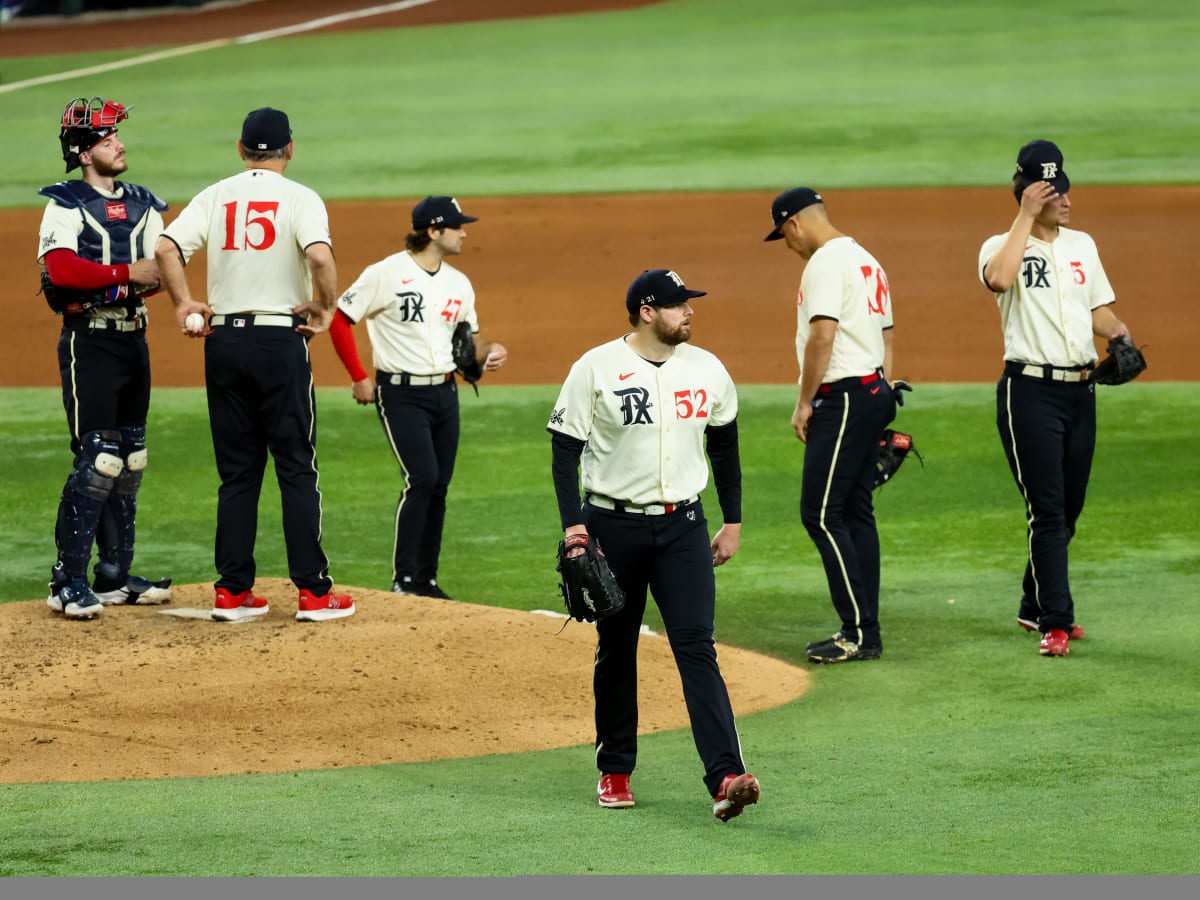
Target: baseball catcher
(589,588)
(1124,362)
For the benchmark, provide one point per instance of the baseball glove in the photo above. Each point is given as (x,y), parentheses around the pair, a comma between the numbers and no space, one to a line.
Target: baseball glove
(462,345)
(894,446)
(69,301)
(589,588)
(1124,362)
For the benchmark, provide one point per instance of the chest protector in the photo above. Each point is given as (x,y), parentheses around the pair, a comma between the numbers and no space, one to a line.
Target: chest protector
(121,219)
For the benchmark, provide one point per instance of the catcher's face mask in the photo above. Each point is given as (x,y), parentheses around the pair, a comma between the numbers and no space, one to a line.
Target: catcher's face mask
(85,123)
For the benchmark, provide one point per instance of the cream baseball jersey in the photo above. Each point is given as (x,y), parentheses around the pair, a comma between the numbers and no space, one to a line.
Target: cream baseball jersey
(410,313)
(644,424)
(255,226)
(843,281)
(62,227)
(1047,312)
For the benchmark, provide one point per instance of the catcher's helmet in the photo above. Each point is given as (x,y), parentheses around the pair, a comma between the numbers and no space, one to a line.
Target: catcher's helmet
(85,123)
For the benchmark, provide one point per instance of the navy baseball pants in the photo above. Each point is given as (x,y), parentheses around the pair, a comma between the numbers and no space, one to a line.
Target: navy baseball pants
(835,497)
(261,399)
(671,556)
(422,427)
(1048,429)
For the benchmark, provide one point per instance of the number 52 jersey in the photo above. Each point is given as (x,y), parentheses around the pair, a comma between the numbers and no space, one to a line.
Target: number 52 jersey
(644,424)
(255,226)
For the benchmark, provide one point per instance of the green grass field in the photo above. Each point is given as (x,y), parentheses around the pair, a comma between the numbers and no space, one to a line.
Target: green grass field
(676,96)
(961,751)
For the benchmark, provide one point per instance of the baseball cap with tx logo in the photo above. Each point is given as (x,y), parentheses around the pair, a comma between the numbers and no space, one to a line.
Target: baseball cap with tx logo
(1042,161)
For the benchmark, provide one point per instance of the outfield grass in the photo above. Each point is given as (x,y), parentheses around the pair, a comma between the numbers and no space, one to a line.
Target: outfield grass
(961,751)
(675,96)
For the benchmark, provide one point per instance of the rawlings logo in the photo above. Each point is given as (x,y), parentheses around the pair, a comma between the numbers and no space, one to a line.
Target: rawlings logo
(116,212)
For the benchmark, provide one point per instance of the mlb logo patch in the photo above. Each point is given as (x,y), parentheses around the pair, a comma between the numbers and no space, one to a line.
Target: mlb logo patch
(116,212)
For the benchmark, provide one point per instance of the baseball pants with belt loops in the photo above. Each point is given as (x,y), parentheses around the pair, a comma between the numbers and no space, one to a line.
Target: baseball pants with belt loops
(671,556)
(261,399)
(1048,429)
(835,497)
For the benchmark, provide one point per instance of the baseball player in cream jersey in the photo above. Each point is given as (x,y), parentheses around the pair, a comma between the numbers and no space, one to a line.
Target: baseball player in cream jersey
(412,301)
(1054,298)
(844,344)
(267,240)
(634,420)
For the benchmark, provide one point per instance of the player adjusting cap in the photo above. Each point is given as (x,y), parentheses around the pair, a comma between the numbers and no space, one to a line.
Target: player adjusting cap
(266,129)
(787,205)
(439,212)
(1042,161)
(658,287)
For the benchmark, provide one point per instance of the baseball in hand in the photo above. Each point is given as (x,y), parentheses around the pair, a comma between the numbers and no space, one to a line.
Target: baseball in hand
(194,323)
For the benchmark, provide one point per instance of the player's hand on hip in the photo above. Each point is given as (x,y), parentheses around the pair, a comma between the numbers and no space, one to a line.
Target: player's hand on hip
(144,271)
(726,542)
(364,391)
(318,318)
(800,419)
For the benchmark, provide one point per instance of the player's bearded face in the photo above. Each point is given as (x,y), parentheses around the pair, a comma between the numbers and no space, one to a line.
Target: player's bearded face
(673,324)
(108,157)
(450,241)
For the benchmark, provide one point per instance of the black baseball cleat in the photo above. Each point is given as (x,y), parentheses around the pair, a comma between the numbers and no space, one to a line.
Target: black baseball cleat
(839,649)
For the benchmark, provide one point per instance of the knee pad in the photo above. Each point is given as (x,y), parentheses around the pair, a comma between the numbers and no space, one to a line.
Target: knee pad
(98,465)
(133,449)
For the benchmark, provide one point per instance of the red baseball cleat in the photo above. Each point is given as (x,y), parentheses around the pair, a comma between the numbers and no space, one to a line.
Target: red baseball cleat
(614,792)
(735,794)
(328,606)
(1055,643)
(233,607)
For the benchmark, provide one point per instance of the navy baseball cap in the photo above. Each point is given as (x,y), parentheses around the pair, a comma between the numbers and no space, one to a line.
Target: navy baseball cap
(439,212)
(1042,161)
(787,205)
(658,287)
(266,129)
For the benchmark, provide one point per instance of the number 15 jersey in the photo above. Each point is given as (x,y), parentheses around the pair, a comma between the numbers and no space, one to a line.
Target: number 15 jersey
(255,226)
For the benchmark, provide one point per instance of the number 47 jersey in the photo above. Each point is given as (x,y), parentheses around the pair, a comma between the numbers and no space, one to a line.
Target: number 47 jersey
(255,227)
(644,423)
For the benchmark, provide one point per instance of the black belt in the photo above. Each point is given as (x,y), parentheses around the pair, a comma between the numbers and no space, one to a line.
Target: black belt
(641,509)
(1049,373)
(407,379)
(137,323)
(852,381)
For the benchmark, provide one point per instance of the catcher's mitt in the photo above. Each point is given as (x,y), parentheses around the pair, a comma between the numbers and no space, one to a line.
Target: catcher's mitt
(894,446)
(1124,362)
(589,588)
(69,301)
(462,345)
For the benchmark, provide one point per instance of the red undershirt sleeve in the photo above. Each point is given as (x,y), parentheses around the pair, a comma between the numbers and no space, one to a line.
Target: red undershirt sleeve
(341,332)
(66,269)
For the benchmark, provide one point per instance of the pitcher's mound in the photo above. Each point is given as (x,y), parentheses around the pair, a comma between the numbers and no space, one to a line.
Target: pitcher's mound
(156,692)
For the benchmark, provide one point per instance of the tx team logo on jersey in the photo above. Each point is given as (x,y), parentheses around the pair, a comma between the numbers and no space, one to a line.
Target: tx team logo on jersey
(412,307)
(1036,272)
(635,406)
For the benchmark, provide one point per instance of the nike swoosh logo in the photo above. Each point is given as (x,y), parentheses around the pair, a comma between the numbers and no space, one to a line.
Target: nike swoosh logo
(406,280)
(623,377)
(875,390)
